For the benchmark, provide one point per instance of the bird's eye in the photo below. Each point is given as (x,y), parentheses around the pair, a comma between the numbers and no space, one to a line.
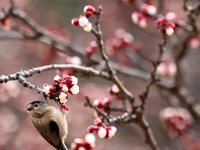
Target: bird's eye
(36,105)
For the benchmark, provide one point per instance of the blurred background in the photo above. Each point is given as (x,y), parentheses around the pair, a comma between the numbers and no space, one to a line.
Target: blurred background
(16,129)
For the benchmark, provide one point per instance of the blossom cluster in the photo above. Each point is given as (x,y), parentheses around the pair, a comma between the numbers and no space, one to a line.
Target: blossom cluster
(88,143)
(122,39)
(102,131)
(83,20)
(176,120)
(61,88)
(104,104)
(143,15)
(166,24)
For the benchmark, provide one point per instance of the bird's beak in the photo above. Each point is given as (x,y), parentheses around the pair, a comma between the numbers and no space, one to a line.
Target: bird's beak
(29,107)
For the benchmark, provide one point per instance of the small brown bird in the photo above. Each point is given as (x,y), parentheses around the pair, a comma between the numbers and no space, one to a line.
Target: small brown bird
(50,122)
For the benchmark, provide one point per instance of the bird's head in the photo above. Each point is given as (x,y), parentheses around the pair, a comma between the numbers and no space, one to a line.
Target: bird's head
(36,108)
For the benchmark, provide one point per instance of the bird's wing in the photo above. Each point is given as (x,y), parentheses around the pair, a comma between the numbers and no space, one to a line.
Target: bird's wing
(53,126)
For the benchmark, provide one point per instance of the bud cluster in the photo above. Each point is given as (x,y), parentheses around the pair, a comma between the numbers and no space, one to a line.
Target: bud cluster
(88,143)
(102,131)
(90,49)
(61,88)
(104,104)
(166,24)
(176,120)
(83,20)
(122,39)
(142,17)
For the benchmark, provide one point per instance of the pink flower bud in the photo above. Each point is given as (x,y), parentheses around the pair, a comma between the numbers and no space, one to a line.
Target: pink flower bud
(106,101)
(161,69)
(82,148)
(194,43)
(48,88)
(73,60)
(101,132)
(169,31)
(88,13)
(89,51)
(70,80)
(83,21)
(75,21)
(92,128)
(115,88)
(90,138)
(98,103)
(111,131)
(57,79)
(98,121)
(74,90)
(134,17)
(91,48)
(87,27)
(6,23)
(63,97)
(64,106)
(89,8)
(151,10)
(79,141)
(172,69)
(63,87)
(93,44)
(171,16)
(143,22)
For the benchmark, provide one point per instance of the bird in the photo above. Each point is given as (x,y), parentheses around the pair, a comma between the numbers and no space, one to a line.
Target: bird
(50,122)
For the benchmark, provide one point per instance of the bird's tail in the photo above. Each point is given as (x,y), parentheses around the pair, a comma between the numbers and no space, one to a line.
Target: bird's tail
(62,146)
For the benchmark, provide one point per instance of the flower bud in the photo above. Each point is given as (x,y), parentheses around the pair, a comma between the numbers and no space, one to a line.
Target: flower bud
(143,23)
(98,121)
(87,27)
(63,97)
(106,101)
(98,103)
(64,106)
(90,138)
(74,90)
(92,128)
(151,10)
(75,21)
(63,87)
(89,8)
(115,88)
(111,132)
(101,132)
(70,80)
(48,88)
(171,16)
(134,17)
(169,31)
(57,79)
(83,21)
